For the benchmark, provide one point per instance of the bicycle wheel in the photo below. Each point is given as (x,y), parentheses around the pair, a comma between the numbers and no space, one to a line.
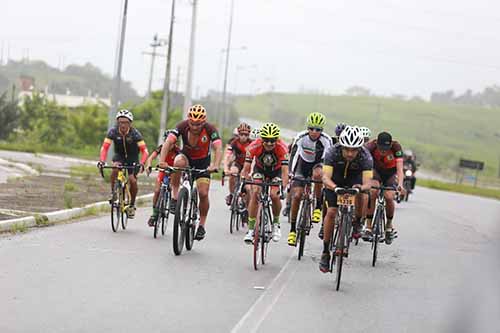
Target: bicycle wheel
(265,235)
(125,203)
(301,227)
(115,209)
(158,207)
(256,245)
(180,221)
(232,221)
(191,223)
(339,250)
(377,231)
(164,211)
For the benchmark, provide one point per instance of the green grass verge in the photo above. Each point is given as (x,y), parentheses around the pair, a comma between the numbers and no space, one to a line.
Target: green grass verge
(87,152)
(460,188)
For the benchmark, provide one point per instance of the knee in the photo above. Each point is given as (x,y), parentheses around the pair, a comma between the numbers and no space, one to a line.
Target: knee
(317,174)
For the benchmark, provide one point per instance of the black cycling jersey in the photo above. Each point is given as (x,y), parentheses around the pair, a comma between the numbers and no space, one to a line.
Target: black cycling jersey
(126,146)
(343,171)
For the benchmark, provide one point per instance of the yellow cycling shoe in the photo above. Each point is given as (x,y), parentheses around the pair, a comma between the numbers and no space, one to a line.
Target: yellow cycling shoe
(292,238)
(316,215)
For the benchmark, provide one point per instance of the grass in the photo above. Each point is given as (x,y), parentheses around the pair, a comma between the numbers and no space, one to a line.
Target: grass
(70,187)
(37,148)
(460,188)
(439,134)
(41,220)
(18,228)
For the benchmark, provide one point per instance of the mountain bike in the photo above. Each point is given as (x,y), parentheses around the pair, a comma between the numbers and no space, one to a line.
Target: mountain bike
(121,196)
(263,226)
(379,216)
(187,217)
(339,247)
(304,224)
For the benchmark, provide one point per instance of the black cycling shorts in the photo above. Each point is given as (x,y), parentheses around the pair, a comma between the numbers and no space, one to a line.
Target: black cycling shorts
(304,170)
(331,197)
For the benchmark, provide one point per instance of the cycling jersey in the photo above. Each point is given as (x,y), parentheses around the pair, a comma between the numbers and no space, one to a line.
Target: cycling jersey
(239,149)
(126,146)
(385,164)
(201,149)
(267,161)
(309,150)
(170,155)
(346,173)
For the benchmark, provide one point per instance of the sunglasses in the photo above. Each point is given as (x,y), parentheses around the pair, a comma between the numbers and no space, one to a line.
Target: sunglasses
(244,134)
(269,140)
(315,129)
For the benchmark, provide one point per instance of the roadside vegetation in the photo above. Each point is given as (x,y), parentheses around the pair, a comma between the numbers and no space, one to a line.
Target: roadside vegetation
(460,188)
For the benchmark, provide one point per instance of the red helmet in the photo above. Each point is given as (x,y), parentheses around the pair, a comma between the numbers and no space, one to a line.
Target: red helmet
(244,128)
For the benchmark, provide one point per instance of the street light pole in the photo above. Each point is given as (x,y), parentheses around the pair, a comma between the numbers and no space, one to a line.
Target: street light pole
(115,97)
(156,43)
(228,51)
(189,82)
(165,104)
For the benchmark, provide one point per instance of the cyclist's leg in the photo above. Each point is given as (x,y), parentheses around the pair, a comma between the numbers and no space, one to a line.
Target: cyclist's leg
(297,189)
(180,161)
(156,194)
(132,180)
(389,198)
(203,185)
(373,196)
(232,182)
(253,206)
(114,172)
(317,175)
(331,212)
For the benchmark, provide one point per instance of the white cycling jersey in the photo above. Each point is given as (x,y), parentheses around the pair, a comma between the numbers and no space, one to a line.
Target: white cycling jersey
(310,150)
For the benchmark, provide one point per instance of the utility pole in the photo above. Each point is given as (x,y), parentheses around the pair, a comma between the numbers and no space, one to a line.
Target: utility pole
(165,104)
(115,97)
(189,82)
(228,51)
(156,43)
(178,79)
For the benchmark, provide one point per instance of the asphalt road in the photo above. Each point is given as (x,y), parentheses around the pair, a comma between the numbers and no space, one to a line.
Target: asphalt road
(441,275)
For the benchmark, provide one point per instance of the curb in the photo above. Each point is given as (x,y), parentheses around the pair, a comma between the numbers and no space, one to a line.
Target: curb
(44,219)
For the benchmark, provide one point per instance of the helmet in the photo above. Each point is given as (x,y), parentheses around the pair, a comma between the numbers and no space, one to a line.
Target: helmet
(244,128)
(269,131)
(255,133)
(407,152)
(197,113)
(316,119)
(366,132)
(351,137)
(126,114)
(235,131)
(166,133)
(339,128)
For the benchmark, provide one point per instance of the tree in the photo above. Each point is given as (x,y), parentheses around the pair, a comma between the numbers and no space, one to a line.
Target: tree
(357,91)
(9,116)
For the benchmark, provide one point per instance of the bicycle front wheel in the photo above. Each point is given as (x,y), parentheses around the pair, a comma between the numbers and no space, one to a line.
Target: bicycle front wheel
(265,234)
(256,245)
(180,221)
(191,222)
(377,231)
(339,250)
(164,211)
(124,206)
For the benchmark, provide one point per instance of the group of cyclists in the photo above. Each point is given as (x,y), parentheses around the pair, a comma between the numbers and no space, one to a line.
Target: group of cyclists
(349,158)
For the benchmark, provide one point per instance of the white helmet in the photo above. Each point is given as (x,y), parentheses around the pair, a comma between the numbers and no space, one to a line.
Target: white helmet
(366,132)
(125,113)
(255,133)
(351,137)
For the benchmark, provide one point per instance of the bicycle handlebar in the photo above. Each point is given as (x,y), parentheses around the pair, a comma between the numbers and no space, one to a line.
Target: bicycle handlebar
(306,180)
(120,167)
(341,190)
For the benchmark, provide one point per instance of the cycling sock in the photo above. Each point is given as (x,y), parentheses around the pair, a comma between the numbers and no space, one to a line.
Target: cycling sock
(326,247)
(369,221)
(276,220)
(293,225)
(388,224)
(251,223)
(318,203)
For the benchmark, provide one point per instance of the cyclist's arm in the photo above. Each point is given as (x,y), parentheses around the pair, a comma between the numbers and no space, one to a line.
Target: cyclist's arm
(246,170)
(367,180)
(217,144)
(284,175)
(167,146)
(150,159)
(144,151)
(400,172)
(104,149)
(228,156)
(327,177)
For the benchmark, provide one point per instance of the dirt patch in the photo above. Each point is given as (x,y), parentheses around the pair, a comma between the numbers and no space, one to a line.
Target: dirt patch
(49,193)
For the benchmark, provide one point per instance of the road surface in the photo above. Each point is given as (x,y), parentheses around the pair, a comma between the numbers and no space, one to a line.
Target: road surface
(440,275)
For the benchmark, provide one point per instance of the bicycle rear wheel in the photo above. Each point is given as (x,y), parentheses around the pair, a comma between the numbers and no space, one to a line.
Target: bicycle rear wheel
(339,250)
(191,222)
(301,228)
(180,221)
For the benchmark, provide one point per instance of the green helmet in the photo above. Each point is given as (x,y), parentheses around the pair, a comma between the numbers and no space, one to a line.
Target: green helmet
(316,119)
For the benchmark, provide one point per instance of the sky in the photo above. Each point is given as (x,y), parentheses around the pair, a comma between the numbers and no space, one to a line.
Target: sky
(389,46)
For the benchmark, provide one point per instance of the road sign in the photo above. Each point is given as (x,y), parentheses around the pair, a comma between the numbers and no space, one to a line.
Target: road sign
(468,164)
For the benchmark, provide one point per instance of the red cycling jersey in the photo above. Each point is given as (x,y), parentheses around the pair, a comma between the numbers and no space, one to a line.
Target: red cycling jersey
(267,161)
(239,150)
(201,148)
(387,163)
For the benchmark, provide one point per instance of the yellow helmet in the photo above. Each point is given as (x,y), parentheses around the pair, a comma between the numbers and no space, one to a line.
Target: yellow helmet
(316,119)
(269,131)
(197,113)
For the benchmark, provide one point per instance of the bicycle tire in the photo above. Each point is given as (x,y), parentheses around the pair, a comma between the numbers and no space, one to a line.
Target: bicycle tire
(378,220)
(266,235)
(191,224)
(115,209)
(256,245)
(340,245)
(238,215)
(301,228)
(165,212)
(180,221)
(124,215)
(158,207)
(232,220)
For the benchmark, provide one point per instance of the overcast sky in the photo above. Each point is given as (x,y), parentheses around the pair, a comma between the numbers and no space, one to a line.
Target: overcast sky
(389,46)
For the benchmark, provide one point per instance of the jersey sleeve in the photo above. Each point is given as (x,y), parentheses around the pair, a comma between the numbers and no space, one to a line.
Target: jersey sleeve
(283,155)
(329,156)
(397,150)
(158,149)
(250,154)
(212,132)
(367,164)
(110,136)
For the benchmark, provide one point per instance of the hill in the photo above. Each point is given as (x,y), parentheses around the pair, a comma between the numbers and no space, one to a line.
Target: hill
(440,134)
(79,80)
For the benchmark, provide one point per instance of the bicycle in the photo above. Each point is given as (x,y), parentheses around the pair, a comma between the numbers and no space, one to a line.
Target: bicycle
(263,226)
(238,206)
(163,202)
(339,246)
(379,216)
(186,218)
(304,224)
(121,192)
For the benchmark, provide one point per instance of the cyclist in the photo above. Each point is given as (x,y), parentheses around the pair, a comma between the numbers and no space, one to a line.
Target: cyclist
(307,154)
(170,161)
(347,164)
(410,163)
(198,136)
(366,133)
(128,142)
(388,170)
(255,133)
(338,130)
(270,156)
